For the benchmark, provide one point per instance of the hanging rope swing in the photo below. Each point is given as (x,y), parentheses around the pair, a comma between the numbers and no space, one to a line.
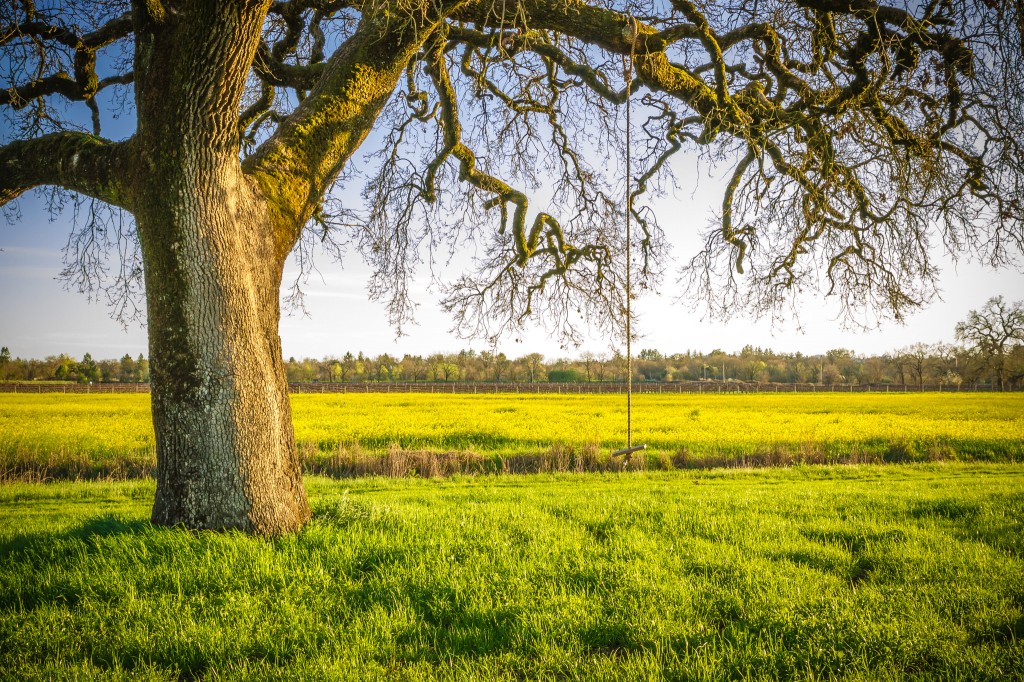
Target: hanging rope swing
(627,68)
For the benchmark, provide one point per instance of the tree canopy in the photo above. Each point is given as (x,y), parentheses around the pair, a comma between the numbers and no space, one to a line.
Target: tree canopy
(859,136)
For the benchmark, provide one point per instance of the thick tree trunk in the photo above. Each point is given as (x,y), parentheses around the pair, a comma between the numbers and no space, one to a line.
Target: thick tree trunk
(213,258)
(226,455)
(214,242)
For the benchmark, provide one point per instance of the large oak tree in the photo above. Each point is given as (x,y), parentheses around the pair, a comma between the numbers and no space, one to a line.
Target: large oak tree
(993,332)
(858,136)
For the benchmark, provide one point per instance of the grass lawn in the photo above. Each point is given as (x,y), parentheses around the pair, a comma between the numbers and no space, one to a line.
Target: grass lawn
(880,572)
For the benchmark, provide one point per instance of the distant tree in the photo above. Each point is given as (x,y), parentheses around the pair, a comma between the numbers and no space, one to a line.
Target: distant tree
(651,370)
(918,356)
(830,373)
(293,372)
(1015,365)
(336,370)
(945,363)
(780,370)
(109,370)
(994,331)
(371,370)
(486,361)
(838,355)
(305,370)
(126,369)
(142,368)
(451,370)
(951,378)
(442,367)
(348,367)
(434,362)
(387,368)
(516,373)
(88,370)
(415,367)
(500,366)
(969,365)
(589,362)
(757,370)
(364,367)
(618,365)
(534,364)
(5,359)
(900,363)
(64,369)
(873,370)
(464,361)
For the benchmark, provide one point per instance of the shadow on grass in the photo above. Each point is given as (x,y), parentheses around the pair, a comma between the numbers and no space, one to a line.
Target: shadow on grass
(50,553)
(100,526)
(995,523)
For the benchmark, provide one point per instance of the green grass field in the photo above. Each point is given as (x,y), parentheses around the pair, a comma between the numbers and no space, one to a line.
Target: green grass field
(89,436)
(851,572)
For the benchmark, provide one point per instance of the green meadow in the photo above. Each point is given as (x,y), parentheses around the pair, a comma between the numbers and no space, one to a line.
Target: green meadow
(661,568)
(901,572)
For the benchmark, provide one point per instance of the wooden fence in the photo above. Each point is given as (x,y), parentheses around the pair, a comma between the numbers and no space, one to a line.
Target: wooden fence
(647,387)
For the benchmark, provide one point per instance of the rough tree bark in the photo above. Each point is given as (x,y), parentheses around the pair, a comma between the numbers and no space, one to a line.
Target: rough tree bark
(226,453)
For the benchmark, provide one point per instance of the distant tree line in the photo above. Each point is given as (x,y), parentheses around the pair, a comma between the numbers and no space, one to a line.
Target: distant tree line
(990,352)
(919,364)
(66,368)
